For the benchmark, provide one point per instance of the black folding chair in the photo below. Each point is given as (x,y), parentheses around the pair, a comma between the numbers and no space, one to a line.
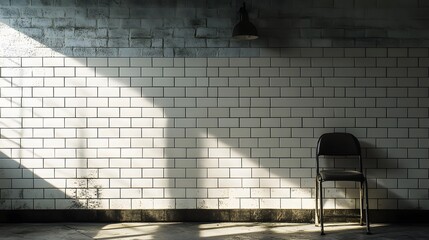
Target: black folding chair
(339,144)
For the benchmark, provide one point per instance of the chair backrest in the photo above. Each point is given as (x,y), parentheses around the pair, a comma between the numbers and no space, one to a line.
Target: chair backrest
(338,144)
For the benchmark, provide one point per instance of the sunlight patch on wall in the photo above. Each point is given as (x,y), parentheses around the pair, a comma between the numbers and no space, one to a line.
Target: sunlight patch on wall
(16,43)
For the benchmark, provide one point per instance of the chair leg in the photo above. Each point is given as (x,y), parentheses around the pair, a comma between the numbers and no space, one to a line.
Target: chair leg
(361,203)
(321,208)
(368,230)
(316,210)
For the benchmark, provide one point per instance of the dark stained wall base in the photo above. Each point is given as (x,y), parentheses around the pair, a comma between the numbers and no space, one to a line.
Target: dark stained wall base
(205,215)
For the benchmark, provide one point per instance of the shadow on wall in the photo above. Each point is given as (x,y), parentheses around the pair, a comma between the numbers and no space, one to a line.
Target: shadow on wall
(179,166)
(341,23)
(117,28)
(23,188)
(194,145)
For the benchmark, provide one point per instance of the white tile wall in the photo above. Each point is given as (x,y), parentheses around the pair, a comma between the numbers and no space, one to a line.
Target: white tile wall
(213,133)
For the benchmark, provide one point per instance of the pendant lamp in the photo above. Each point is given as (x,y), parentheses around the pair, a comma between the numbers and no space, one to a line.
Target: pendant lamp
(244,30)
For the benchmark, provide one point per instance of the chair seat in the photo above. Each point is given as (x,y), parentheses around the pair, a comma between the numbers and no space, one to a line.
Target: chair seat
(341,175)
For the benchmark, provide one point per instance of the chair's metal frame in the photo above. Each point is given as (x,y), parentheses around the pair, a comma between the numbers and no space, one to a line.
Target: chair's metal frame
(319,180)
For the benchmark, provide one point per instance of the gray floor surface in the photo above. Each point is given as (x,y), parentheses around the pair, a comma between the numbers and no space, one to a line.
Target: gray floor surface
(188,231)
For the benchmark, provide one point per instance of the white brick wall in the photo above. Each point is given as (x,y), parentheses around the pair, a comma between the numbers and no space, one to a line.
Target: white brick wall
(214,133)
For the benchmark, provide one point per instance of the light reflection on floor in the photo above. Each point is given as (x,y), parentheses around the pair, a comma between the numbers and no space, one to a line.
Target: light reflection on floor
(236,231)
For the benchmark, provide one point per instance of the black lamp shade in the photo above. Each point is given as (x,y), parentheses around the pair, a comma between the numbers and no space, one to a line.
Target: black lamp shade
(244,30)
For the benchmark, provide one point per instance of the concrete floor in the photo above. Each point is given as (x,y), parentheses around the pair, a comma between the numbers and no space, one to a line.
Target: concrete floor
(188,231)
